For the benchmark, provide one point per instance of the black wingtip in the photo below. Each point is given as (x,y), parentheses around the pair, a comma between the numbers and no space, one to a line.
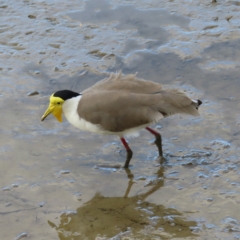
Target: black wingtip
(199,102)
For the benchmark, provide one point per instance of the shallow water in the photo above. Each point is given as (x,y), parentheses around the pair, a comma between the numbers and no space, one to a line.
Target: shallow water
(61,183)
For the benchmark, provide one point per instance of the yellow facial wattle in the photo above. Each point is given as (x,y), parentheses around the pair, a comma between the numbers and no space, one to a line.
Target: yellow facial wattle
(55,107)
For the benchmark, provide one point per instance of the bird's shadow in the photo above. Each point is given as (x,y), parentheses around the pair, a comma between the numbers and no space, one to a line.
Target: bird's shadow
(115,216)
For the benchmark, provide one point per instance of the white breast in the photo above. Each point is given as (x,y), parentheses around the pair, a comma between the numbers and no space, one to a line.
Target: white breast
(70,111)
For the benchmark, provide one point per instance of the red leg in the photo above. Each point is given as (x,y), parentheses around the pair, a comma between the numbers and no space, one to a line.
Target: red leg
(157,134)
(158,140)
(129,152)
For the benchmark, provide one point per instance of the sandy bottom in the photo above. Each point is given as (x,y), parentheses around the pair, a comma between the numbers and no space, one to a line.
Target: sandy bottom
(60,183)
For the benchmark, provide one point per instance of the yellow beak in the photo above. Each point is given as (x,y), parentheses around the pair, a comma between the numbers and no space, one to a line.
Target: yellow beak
(56,110)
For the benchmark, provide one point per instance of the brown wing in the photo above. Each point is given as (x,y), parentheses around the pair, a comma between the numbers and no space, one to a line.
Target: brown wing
(127,83)
(117,111)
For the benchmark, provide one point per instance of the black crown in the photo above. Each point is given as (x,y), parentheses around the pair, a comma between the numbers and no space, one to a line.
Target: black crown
(65,94)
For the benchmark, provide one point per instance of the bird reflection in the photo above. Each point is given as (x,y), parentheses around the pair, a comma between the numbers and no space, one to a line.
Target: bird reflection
(109,216)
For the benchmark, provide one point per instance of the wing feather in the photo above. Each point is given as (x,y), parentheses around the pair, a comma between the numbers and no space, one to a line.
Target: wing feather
(127,83)
(117,111)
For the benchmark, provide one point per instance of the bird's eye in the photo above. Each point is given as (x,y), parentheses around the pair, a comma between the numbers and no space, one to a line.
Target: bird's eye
(58,103)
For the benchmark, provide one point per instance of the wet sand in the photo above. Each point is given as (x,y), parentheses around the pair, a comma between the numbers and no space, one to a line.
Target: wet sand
(60,183)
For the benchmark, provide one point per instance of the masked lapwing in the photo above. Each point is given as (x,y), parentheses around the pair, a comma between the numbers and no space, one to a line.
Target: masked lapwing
(121,105)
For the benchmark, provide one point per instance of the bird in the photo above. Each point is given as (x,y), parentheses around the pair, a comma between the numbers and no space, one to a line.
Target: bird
(121,105)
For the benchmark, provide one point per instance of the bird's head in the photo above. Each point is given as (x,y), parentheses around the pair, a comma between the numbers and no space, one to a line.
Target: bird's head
(56,102)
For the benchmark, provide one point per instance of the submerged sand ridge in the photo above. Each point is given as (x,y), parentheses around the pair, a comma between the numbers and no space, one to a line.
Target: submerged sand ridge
(56,181)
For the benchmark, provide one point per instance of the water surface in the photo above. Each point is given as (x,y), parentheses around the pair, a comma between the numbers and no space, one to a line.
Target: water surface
(54,178)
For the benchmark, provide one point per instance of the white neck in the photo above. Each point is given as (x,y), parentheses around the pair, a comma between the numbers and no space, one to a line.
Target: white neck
(69,108)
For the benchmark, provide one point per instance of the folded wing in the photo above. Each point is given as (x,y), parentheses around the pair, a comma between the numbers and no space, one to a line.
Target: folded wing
(119,110)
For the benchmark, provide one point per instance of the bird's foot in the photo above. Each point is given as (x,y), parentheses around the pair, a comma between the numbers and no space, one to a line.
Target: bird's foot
(162,159)
(125,166)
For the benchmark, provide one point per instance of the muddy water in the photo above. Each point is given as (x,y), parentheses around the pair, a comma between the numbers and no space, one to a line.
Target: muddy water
(55,181)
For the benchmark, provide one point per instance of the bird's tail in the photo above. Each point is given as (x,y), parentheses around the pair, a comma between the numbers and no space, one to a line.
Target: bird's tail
(175,101)
(196,103)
